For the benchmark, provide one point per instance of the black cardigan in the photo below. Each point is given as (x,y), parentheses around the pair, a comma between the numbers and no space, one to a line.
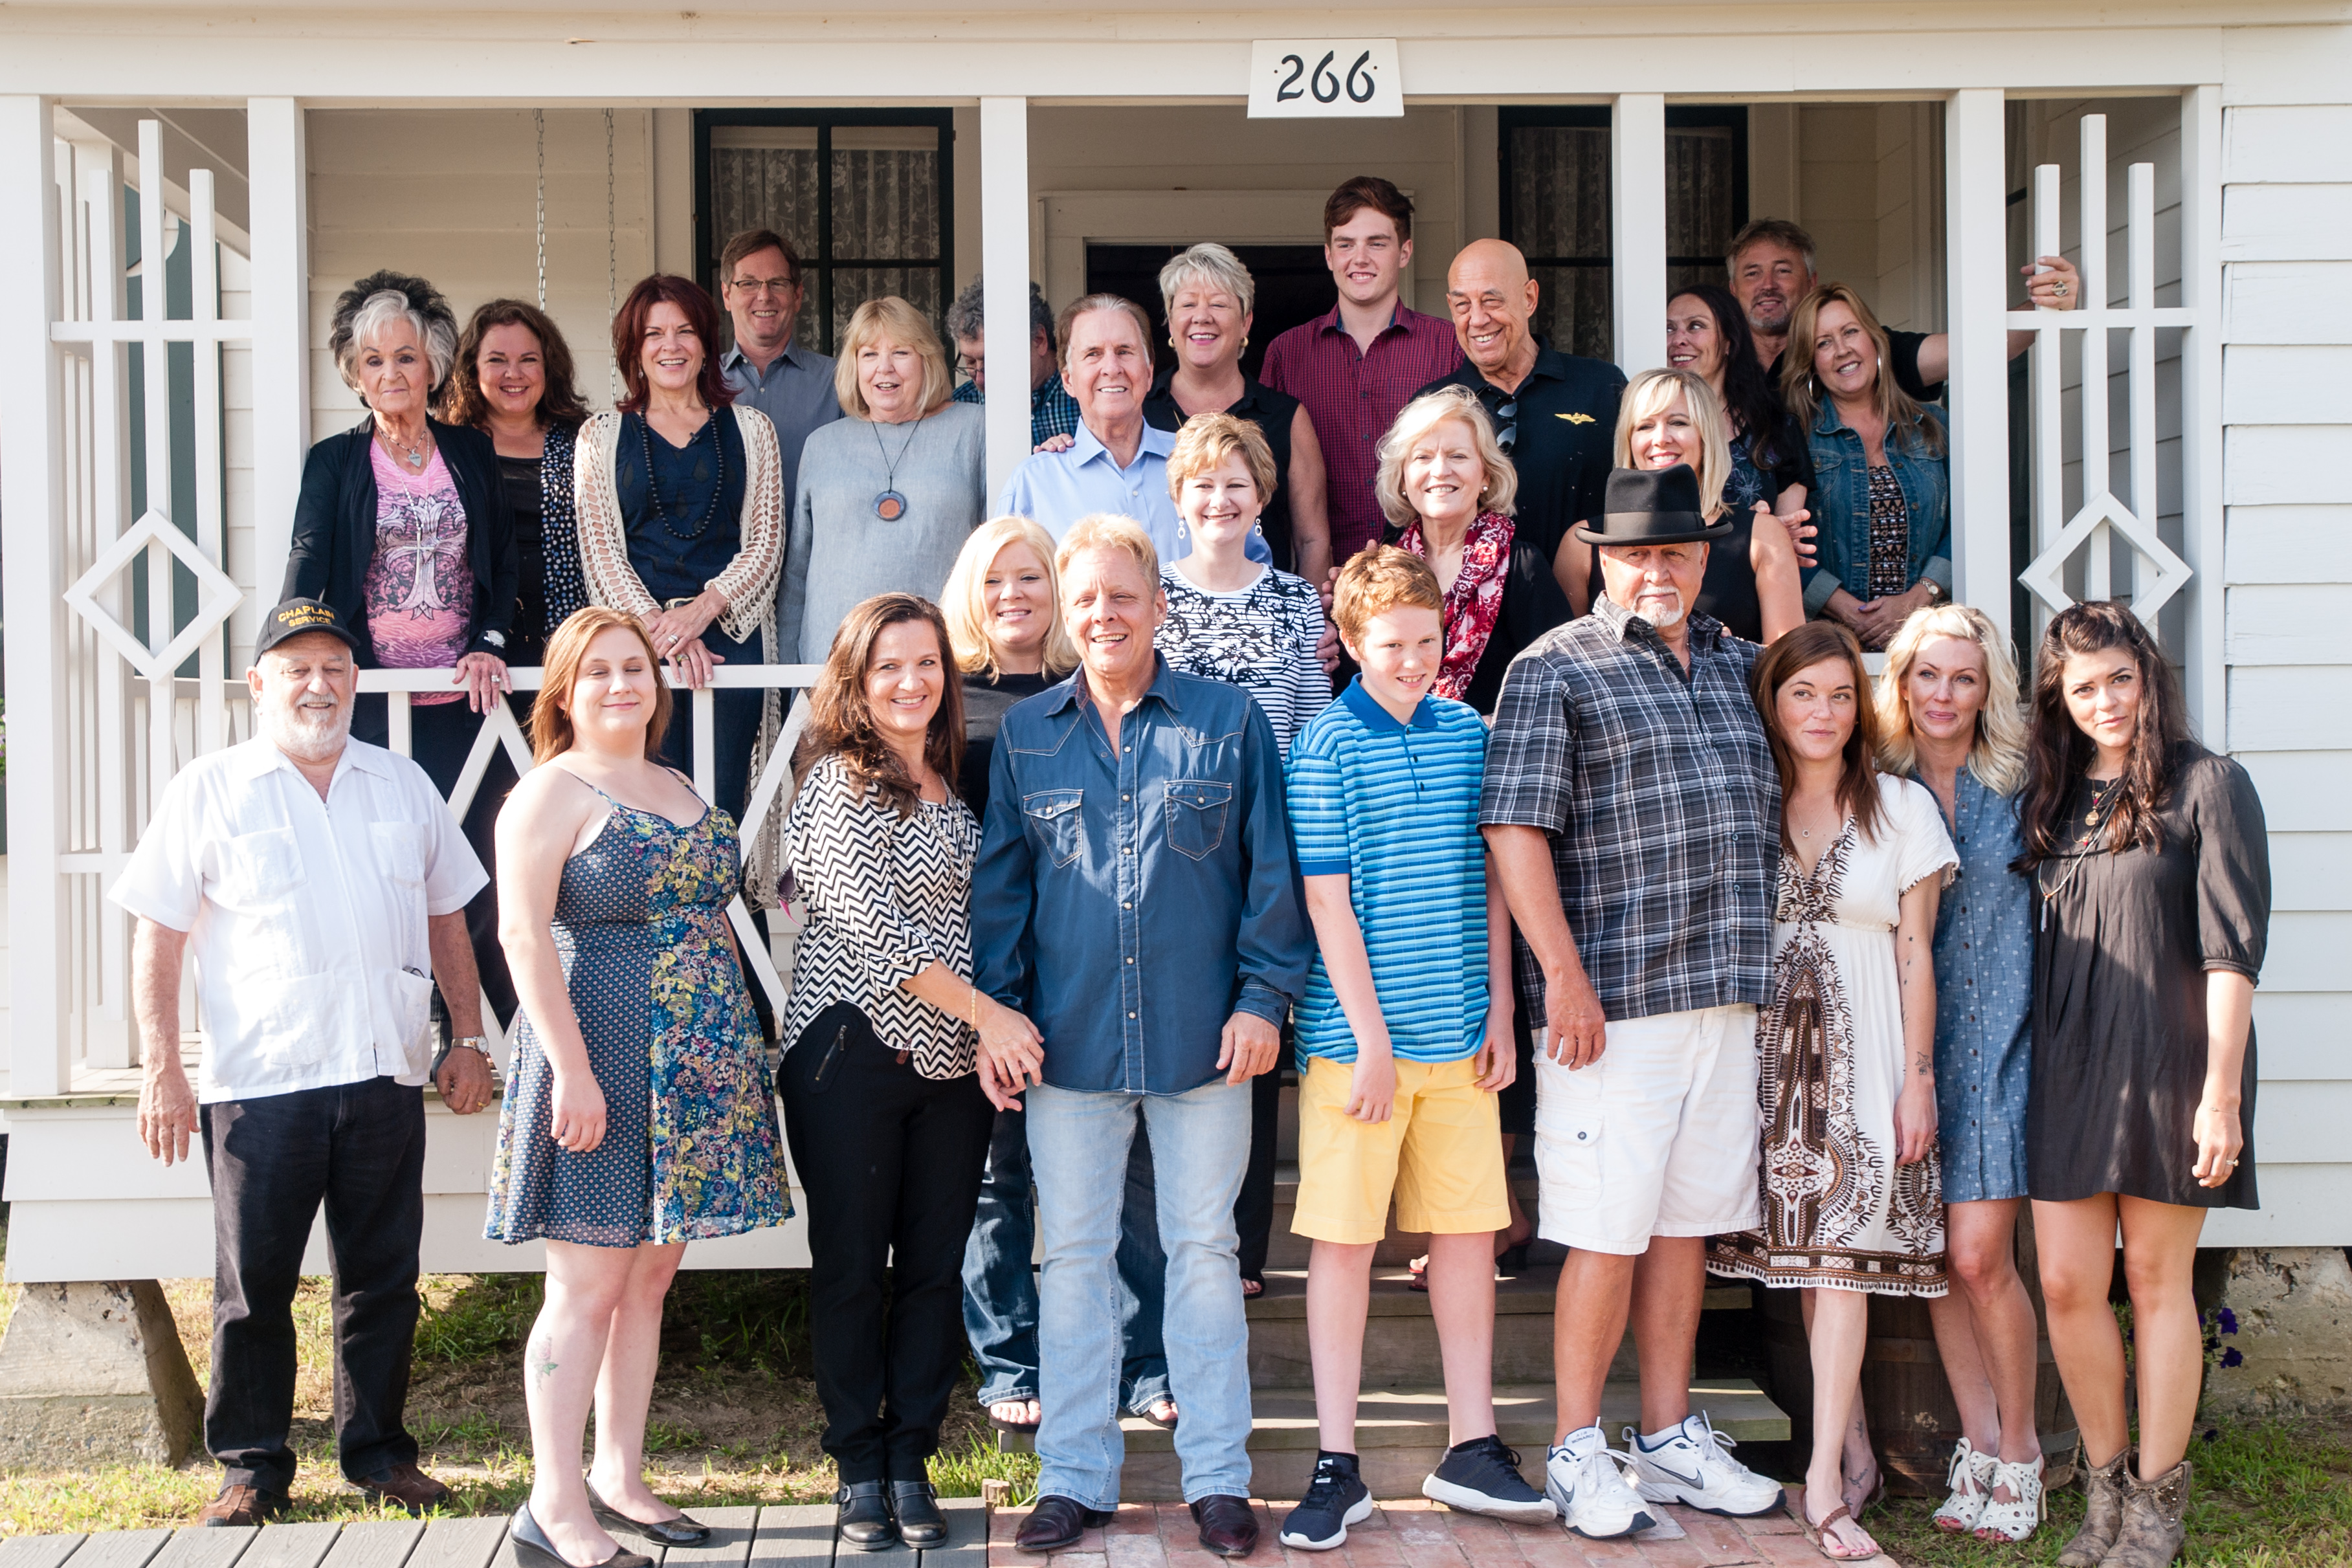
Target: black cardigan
(334,530)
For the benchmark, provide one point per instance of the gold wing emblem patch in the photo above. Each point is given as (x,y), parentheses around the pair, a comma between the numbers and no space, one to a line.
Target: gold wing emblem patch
(1576,418)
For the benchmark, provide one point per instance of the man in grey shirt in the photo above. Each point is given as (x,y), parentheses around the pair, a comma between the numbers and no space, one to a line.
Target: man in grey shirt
(760,277)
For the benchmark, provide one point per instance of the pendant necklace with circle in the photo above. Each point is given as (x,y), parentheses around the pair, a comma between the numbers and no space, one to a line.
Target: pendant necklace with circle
(890,506)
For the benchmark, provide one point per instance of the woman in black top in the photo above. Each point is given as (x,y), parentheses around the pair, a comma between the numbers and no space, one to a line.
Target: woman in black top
(2152,897)
(1207,296)
(1006,623)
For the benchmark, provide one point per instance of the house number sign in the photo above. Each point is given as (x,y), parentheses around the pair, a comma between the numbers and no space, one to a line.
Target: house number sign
(1325,78)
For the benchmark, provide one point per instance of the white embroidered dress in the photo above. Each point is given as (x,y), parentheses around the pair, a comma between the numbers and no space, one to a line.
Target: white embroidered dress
(1838,1211)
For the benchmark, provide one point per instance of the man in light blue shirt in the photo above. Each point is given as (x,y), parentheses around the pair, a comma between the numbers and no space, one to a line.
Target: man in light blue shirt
(1116,463)
(759,275)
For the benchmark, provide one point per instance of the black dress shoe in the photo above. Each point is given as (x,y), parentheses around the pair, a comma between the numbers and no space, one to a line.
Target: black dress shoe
(917,1508)
(1055,1523)
(534,1549)
(678,1531)
(862,1517)
(1228,1525)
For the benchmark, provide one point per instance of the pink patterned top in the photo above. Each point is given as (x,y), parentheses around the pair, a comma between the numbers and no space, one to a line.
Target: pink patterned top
(420,585)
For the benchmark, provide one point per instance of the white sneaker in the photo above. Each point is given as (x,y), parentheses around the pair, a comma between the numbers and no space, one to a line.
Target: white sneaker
(1692,1465)
(1584,1477)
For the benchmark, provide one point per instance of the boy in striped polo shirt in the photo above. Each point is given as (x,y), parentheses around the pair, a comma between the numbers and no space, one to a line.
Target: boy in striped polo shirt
(1404,1036)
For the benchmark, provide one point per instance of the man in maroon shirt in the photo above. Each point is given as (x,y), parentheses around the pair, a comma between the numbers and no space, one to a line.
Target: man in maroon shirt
(1356,368)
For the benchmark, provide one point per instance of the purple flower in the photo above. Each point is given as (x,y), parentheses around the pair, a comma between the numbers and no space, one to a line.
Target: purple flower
(2228,1320)
(2231,1358)
(2211,1433)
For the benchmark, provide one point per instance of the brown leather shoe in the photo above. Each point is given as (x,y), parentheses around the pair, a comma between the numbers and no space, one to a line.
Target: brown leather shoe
(240,1506)
(1228,1525)
(1055,1523)
(403,1486)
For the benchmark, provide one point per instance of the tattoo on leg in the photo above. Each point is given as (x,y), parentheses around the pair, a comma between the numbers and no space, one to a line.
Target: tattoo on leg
(543,1359)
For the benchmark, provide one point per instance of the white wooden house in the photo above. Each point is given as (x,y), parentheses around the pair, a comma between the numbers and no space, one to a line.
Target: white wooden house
(2194,155)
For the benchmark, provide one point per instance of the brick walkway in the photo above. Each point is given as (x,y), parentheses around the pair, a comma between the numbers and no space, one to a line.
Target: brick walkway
(1416,1534)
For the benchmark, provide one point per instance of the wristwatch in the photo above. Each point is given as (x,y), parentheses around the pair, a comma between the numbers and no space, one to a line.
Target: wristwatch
(493,637)
(1935,594)
(473,1042)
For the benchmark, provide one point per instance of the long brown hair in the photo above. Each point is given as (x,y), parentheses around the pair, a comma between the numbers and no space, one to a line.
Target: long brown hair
(552,731)
(629,339)
(1801,392)
(1800,650)
(462,402)
(2058,754)
(840,721)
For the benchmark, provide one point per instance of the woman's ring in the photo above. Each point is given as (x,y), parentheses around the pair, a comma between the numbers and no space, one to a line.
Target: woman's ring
(2059,288)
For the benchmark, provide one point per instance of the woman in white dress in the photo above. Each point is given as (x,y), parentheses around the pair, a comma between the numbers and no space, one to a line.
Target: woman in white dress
(1851,1197)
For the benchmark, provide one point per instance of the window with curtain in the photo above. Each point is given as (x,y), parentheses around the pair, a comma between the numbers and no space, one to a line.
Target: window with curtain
(864,196)
(1555,200)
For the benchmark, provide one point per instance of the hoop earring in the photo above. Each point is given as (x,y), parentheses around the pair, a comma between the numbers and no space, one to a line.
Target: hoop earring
(1258,529)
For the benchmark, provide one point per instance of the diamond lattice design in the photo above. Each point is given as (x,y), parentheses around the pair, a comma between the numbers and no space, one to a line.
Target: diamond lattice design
(2045,575)
(216,597)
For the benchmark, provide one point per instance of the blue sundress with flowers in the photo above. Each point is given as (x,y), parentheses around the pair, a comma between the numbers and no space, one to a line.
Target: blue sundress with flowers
(690,1146)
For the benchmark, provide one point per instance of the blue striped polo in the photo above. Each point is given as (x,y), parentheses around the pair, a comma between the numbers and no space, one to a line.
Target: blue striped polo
(1395,807)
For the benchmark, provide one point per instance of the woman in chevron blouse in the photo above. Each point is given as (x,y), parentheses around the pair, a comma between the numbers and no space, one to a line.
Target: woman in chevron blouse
(895,1060)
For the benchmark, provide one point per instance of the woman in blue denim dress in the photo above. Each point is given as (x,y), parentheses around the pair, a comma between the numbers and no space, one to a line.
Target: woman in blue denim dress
(1948,717)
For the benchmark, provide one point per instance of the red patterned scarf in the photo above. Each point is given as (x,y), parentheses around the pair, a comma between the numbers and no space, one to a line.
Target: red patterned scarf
(1475,601)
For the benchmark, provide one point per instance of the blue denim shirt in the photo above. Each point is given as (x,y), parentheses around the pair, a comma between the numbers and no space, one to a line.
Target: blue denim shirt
(1131,903)
(1841,507)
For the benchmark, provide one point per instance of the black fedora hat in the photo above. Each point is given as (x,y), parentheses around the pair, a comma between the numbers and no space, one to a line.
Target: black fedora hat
(1652,507)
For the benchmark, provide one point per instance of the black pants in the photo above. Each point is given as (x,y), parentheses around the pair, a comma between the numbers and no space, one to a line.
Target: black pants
(360,1149)
(891,1163)
(1254,1205)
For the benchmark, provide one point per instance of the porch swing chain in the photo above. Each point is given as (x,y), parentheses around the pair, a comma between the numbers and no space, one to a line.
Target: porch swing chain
(611,260)
(539,124)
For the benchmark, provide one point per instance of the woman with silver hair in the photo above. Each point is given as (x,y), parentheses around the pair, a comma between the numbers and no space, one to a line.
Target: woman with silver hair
(402,524)
(1209,298)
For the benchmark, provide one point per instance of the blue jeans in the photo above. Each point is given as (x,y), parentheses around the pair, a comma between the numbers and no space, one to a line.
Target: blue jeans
(1000,1287)
(1200,1140)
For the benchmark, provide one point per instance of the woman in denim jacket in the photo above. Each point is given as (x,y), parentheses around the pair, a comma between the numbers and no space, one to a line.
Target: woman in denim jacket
(1882,489)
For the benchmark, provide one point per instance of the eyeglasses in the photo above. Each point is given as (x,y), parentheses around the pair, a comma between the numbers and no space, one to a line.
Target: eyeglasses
(967,365)
(764,285)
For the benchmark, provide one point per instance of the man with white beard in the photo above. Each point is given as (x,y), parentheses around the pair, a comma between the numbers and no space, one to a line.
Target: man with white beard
(1632,810)
(321,883)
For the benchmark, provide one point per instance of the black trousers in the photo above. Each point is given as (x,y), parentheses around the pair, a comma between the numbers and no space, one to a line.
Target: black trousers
(358,1148)
(1254,1205)
(891,1163)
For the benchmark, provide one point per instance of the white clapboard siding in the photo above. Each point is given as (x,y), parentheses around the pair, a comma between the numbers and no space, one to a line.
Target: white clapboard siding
(2307,949)
(2283,385)
(2310,870)
(2299,623)
(2283,302)
(2285,465)
(2289,544)
(2286,223)
(2302,1035)
(2294,707)
(2305,144)
(2303,791)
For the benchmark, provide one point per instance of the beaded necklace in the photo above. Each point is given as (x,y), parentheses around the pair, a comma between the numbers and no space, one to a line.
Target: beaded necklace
(2104,799)
(710,509)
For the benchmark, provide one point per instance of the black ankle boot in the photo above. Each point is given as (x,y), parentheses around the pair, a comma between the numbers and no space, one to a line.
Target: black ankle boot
(862,1517)
(916,1507)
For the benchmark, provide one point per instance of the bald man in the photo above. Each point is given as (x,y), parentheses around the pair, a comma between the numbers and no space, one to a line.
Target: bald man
(1555,414)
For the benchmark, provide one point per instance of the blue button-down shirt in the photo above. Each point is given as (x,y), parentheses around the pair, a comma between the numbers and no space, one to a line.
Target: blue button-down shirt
(1984,1001)
(1130,902)
(1056,489)
(796,391)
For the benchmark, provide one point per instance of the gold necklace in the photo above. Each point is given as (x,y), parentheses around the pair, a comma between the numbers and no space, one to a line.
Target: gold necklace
(2103,799)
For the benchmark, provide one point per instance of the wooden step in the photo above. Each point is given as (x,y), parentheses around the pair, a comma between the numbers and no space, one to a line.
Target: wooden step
(1401,1434)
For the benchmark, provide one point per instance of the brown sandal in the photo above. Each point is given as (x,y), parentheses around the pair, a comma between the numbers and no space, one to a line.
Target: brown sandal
(1820,1536)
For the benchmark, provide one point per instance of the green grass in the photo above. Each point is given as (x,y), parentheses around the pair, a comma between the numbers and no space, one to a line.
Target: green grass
(2267,1495)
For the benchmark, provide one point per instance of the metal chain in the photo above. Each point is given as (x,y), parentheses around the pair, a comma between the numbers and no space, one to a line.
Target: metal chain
(612,256)
(539,124)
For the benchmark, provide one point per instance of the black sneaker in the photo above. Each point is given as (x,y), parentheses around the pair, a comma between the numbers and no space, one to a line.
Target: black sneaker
(1482,1476)
(1336,1500)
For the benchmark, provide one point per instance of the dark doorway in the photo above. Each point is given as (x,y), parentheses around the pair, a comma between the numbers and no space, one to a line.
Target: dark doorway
(1293,285)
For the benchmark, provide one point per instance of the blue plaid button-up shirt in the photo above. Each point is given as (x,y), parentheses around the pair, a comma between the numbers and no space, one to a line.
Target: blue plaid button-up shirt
(1051,410)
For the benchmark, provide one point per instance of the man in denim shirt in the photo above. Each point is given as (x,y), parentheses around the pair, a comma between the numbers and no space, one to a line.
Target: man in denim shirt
(1137,897)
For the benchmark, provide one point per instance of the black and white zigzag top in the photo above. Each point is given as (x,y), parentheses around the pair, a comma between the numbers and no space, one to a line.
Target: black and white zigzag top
(1261,639)
(887,897)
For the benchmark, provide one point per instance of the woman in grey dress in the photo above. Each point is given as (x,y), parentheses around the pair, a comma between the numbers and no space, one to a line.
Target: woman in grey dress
(2152,903)
(1949,717)
(885,497)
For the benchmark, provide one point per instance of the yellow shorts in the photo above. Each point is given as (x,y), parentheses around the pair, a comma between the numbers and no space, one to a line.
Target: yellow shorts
(1440,1153)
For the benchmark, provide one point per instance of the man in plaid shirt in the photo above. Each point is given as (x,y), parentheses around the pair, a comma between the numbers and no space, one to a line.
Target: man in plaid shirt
(1634,810)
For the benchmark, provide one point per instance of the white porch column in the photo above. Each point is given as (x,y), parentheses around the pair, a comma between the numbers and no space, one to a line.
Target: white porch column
(2205,670)
(32,510)
(1975,197)
(1004,273)
(1637,214)
(278,168)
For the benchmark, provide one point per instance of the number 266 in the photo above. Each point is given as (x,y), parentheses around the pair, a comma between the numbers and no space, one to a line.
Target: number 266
(1325,87)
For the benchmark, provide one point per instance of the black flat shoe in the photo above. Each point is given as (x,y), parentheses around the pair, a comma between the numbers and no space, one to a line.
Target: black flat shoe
(1055,1523)
(678,1531)
(534,1549)
(862,1517)
(916,1508)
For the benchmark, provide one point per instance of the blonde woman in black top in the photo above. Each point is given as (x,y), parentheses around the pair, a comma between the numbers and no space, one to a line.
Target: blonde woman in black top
(2152,894)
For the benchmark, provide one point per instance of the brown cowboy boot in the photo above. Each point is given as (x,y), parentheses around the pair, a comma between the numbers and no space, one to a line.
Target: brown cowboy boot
(2103,1520)
(2152,1528)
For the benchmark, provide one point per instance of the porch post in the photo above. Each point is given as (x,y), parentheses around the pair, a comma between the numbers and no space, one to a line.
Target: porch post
(1976,252)
(2205,670)
(279,170)
(32,511)
(1004,272)
(1637,212)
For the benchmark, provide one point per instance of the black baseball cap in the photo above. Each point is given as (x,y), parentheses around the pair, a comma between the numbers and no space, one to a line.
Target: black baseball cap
(295,617)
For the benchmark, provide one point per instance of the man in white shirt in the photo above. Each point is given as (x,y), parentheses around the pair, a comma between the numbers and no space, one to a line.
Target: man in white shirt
(320,881)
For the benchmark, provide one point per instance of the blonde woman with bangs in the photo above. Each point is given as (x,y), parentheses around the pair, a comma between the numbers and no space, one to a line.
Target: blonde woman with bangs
(1948,717)
(887,496)
(1752,585)
(1002,604)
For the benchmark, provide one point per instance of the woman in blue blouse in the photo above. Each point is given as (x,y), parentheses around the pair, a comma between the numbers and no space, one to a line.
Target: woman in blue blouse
(1950,717)
(1881,485)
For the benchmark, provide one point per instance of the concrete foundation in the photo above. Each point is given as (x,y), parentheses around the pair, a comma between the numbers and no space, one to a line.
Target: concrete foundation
(92,1374)
(2293,1307)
